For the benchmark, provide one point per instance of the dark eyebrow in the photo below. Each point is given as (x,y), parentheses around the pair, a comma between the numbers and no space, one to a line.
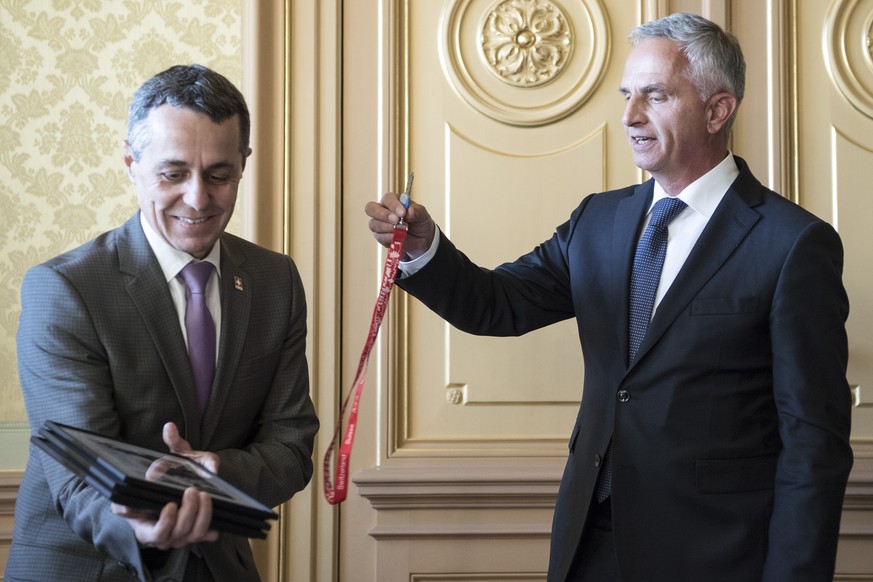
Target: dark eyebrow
(178,163)
(220,166)
(653,88)
(183,164)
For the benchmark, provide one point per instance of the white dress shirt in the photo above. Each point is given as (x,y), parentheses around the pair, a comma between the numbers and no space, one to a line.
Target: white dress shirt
(702,197)
(172,261)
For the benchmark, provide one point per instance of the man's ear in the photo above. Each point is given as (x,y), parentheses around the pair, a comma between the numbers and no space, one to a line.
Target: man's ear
(128,160)
(720,107)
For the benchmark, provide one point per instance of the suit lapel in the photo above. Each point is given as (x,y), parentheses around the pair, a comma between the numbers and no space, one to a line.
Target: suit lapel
(730,224)
(628,220)
(236,286)
(148,290)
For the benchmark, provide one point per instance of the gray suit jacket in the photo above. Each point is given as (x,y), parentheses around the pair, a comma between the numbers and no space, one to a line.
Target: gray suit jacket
(100,347)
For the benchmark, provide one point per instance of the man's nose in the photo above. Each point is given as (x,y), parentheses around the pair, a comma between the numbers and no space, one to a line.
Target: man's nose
(632,112)
(197,193)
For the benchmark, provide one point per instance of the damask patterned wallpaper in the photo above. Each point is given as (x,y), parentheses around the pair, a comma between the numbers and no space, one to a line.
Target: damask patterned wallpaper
(68,69)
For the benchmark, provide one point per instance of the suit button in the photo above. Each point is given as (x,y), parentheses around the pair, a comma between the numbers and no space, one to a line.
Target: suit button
(623,395)
(597,460)
(130,569)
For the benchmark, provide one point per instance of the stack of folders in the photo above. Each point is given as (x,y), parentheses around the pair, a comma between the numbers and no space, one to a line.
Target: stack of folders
(148,480)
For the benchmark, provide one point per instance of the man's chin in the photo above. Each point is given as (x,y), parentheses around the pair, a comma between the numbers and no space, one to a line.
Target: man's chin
(644,161)
(197,249)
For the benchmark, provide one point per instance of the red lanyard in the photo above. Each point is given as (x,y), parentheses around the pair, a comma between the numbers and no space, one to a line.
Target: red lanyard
(336,493)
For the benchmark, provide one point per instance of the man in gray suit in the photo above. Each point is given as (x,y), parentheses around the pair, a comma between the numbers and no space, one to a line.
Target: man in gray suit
(103,345)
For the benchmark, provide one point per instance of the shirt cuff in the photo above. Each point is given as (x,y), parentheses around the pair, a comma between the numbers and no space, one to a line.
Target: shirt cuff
(409,268)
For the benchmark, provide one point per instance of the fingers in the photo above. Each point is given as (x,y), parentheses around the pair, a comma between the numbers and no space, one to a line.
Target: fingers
(180,446)
(200,528)
(385,214)
(192,519)
(160,534)
(207,459)
(150,531)
(133,513)
(161,467)
(174,440)
(176,526)
(389,209)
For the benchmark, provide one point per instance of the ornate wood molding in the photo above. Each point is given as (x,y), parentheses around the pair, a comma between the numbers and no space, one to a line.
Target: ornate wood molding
(10,481)
(531,483)
(525,483)
(524,62)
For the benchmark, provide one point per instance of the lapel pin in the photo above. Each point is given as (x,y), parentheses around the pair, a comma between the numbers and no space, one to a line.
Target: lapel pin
(237,283)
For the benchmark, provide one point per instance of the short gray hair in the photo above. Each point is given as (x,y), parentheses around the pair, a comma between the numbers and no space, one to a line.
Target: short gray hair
(715,59)
(195,87)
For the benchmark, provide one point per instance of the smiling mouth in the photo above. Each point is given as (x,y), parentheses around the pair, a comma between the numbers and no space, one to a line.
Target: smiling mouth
(187,220)
(641,140)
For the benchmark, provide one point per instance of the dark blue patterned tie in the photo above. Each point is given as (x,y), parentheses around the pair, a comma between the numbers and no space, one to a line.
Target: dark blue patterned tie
(646,273)
(648,262)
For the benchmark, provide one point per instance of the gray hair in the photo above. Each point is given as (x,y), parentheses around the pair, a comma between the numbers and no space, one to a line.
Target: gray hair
(715,59)
(195,87)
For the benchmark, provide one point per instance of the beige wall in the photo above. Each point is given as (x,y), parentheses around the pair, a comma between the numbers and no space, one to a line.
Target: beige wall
(67,72)
(460,450)
(340,103)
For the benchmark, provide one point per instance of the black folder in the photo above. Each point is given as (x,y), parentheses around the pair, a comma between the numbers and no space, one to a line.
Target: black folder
(145,479)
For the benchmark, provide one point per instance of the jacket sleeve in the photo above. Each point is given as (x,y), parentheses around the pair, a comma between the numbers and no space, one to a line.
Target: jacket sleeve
(65,377)
(275,462)
(810,354)
(510,300)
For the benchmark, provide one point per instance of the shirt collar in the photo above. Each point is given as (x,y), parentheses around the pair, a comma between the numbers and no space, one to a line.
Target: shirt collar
(704,194)
(173,260)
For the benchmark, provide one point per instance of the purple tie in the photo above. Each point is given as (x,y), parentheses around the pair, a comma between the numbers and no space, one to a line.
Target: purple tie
(201,329)
(646,274)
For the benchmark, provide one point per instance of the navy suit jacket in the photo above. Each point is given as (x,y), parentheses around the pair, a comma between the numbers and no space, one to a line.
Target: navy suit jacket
(730,429)
(100,347)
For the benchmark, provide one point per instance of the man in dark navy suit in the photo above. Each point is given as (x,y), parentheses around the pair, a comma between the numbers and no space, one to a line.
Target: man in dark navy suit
(716,450)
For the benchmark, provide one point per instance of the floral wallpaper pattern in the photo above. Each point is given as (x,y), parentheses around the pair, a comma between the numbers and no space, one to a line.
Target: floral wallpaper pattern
(67,71)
